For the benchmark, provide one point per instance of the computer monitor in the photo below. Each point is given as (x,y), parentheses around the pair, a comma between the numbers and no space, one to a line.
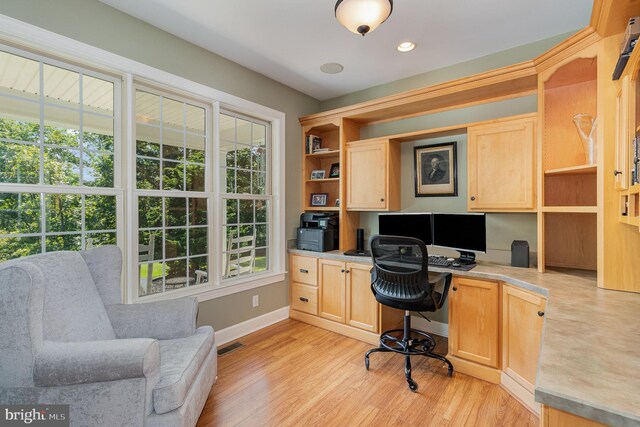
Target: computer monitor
(465,233)
(409,224)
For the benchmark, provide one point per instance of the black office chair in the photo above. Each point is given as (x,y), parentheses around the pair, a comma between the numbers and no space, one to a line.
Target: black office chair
(400,279)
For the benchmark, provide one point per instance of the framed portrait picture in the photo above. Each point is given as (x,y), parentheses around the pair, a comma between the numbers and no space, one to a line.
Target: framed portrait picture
(319,199)
(436,170)
(334,172)
(317,174)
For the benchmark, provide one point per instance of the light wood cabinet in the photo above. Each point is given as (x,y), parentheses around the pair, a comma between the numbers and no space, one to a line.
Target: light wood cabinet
(474,319)
(332,304)
(522,320)
(304,269)
(373,176)
(362,307)
(501,165)
(552,417)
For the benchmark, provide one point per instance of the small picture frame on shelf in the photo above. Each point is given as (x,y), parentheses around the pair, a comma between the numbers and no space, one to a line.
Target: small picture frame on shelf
(317,174)
(334,172)
(319,199)
(337,203)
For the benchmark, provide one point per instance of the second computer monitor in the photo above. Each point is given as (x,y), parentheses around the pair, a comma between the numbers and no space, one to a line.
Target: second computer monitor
(417,225)
(465,233)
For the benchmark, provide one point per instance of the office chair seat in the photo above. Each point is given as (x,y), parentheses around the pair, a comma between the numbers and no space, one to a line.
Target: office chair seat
(400,279)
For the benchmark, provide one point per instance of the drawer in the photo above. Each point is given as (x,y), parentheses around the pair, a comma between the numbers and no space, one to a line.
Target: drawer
(304,298)
(304,269)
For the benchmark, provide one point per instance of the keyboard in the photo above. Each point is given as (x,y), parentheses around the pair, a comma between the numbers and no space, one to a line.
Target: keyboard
(438,261)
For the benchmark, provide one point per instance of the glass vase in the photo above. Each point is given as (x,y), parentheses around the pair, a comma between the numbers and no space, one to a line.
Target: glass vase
(586,125)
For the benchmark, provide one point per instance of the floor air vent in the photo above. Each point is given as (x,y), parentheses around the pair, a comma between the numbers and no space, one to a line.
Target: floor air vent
(230,348)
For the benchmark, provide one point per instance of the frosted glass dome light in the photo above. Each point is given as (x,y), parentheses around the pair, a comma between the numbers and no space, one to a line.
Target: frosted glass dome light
(363,16)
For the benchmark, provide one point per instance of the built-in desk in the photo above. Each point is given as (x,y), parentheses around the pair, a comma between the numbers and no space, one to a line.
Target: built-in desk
(589,363)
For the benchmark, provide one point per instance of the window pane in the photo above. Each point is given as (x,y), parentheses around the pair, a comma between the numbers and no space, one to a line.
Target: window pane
(100,212)
(259,183)
(176,274)
(195,120)
(149,246)
(195,149)
(149,212)
(19,119)
(175,243)
(243,182)
(67,242)
(63,213)
(19,163)
(261,210)
(148,174)
(20,75)
(243,131)
(97,170)
(150,274)
(245,231)
(228,154)
(19,213)
(61,166)
(228,179)
(198,266)
(61,126)
(147,141)
(176,211)
(172,175)
(147,108)
(262,233)
(195,177)
(16,247)
(259,158)
(198,241)
(197,211)
(172,115)
(262,260)
(227,126)
(61,86)
(172,145)
(100,239)
(97,95)
(246,211)
(97,132)
(243,156)
(231,211)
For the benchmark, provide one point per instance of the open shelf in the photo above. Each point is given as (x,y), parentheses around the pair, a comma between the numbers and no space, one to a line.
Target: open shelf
(323,180)
(570,240)
(322,208)
(324,154)
(572,170)
(570,209)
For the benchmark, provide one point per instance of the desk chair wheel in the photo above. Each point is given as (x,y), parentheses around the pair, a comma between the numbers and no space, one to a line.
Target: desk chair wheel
(366,362)
(413,386)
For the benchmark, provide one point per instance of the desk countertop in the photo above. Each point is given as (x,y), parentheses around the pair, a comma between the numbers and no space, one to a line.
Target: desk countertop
(589,362)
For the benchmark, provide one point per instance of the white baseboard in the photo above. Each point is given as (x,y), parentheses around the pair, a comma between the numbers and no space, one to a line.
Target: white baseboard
(234,332)
(432,327)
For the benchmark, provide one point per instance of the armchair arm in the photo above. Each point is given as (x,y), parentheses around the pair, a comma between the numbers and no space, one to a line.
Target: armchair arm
(441,282)
(66,363)
(169,319)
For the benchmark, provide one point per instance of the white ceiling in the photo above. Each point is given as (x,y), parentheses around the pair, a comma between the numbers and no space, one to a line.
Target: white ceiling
(288,40)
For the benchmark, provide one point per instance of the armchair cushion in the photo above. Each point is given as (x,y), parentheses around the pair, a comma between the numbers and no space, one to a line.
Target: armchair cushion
(161,320)
(180,362)
(59,364)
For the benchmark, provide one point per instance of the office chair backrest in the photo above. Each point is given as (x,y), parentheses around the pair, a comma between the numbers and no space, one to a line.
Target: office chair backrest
(401,268)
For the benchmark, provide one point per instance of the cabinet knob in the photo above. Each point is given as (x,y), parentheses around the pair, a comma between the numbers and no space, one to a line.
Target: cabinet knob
(347,271)
(302,270)
(473,198)
(455,289)
(541,313)
(616,173)
(342,271)
(382,200)
(304,299)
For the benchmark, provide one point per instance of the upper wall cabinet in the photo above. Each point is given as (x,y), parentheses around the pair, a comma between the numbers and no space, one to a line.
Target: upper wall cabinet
(501,165)
(373,176)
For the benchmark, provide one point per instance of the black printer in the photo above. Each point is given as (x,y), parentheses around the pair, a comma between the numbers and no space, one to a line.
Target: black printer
(318,232)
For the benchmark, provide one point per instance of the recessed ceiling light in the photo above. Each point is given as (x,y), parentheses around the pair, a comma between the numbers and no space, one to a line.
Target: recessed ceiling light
(331,68)
(406,46)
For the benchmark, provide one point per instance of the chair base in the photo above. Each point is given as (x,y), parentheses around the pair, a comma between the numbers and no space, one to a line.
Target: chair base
(412,343)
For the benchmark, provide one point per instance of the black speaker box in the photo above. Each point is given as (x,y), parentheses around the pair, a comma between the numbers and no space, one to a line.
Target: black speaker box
(520,253)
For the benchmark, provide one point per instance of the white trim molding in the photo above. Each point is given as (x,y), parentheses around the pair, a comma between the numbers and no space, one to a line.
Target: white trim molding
(239,330)
(433,327)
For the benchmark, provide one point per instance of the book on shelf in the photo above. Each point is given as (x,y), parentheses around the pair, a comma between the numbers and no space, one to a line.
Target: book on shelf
(312,143)
(320,150)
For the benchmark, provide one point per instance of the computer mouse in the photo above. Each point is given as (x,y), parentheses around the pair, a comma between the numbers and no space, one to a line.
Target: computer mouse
(455,264)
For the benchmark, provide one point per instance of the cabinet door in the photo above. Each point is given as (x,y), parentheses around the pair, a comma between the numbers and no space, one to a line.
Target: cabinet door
(367,176)
(522,318)
(362,307)
(501,165)
(474,320)
(332,289)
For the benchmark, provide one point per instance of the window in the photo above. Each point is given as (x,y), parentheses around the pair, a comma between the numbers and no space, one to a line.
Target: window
(57,156)
(247,198)
(172,205)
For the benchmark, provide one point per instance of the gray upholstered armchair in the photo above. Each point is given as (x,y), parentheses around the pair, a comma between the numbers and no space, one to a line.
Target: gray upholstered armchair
(65,338)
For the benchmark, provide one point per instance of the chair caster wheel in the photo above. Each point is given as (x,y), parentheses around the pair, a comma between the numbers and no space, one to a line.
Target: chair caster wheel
(366,363)
(413,386)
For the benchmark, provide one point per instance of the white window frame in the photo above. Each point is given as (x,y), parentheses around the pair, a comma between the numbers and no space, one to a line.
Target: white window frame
(13,31)
(44,189)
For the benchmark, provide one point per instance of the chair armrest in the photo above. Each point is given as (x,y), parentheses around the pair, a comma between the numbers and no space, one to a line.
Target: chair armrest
(162,320)
(441,283)
(67,363)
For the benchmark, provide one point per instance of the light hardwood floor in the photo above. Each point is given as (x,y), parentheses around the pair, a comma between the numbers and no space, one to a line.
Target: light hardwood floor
(294,374)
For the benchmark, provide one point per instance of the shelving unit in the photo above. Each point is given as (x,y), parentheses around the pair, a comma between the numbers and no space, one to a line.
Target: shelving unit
(567,222)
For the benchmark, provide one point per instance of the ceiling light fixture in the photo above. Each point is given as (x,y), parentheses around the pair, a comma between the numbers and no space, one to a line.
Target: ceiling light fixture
(331,68)
(406,46)
(363,16)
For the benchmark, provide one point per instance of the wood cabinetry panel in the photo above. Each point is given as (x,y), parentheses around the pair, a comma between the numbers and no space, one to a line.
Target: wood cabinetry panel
(332,290)
(304,298)
(367,175)
(304,270)
(362,307)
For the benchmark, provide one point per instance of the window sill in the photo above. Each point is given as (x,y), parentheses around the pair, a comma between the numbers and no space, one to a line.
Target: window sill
(209,292)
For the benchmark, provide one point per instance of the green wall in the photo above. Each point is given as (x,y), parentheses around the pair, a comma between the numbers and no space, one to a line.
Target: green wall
(97,24)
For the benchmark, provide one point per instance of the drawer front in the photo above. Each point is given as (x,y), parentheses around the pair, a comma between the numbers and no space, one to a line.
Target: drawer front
(304,298)
(304,269)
